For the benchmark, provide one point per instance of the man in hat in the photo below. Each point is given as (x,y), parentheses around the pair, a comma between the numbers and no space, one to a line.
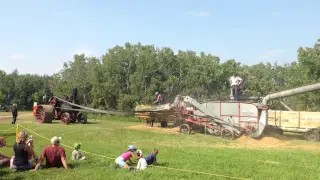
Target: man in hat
(55,155)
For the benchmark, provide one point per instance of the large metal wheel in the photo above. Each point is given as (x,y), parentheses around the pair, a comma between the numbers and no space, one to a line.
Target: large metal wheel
(150,123)
(65,118)
(312,135)
(185,129)
(164,124)
(73,117)
(82,118)
(44,114)
(227,134)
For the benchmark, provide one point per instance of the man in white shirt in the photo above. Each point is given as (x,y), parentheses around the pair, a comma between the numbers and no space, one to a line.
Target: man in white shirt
(235,81)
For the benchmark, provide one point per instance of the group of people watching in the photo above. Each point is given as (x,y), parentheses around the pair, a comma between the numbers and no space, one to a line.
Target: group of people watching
(26,159)
(54,155)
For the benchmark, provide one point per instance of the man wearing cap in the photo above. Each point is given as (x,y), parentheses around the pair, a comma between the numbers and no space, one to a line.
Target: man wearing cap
(55,155)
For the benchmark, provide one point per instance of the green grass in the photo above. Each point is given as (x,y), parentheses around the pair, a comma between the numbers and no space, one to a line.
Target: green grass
(109,136)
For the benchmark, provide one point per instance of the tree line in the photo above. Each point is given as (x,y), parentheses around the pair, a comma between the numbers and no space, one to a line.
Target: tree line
(127,75)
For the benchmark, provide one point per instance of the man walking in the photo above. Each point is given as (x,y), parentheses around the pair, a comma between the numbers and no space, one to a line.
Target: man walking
(235,81)
(14,113)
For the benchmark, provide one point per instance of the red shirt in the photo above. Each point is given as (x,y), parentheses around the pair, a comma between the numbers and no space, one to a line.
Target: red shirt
(53,156)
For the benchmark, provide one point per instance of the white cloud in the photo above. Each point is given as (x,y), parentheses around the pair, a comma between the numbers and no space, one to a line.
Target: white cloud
(271,53)
(87,52)
(16,56)
(200,14)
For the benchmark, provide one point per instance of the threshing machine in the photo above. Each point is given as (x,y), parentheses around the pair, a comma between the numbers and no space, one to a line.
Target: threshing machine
(228,119)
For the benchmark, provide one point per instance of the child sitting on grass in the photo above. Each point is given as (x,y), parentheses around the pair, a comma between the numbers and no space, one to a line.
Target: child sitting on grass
(148,160)
(76,154)
(142,163)
(121,160)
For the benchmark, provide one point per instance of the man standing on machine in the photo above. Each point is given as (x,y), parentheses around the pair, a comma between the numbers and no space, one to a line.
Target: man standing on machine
(235,81)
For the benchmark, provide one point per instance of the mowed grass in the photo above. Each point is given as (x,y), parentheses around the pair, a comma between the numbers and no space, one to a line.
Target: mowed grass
(180,156)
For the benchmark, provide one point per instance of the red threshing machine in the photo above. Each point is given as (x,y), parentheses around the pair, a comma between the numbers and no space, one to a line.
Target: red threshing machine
(228,119)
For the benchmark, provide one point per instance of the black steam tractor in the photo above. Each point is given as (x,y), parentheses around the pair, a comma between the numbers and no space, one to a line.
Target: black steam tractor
(66,110)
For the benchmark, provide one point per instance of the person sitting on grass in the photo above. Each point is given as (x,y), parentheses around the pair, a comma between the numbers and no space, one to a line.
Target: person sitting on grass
(121,160)
(76,154)
(54,155)
(142,163)
(21,151)
(152,157)
(31,154)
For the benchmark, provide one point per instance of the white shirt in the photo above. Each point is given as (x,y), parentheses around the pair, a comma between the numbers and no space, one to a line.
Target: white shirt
(235,80)
(142,164)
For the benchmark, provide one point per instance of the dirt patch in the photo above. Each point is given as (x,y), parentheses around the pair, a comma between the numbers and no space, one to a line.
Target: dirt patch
(155,129)
(8,117)
(269,141)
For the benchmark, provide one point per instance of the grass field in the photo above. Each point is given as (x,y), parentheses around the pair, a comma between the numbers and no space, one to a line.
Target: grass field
(269,158)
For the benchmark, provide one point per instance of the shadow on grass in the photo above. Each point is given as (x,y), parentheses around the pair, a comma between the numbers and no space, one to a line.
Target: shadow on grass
(3,173)
(163,164)
(92,122)
(7,172)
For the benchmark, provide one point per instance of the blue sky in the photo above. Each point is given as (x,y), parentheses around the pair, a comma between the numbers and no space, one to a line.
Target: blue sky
(38,36)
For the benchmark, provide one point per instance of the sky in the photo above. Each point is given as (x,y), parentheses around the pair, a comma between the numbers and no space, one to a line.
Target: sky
(38,36)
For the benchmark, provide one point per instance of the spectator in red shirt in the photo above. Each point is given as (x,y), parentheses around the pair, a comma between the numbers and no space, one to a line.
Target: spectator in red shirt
(55,155)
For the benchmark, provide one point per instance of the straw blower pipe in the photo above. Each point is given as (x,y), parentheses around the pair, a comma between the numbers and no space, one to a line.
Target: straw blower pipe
(291,92)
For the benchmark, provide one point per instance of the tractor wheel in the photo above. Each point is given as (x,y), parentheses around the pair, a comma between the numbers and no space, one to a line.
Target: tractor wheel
(185,129)
(73,117)
(312,135)
(227,134)
(65,118)
(82,118)
(150,123)
(44,114)
(164,123)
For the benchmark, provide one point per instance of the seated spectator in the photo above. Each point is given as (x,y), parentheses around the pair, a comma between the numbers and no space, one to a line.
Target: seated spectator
(21,151)
(54,155)
(31,154)
(76,154)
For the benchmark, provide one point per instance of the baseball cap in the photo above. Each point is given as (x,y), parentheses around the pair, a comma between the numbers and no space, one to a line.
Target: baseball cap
(55,140)
(139,152)
(77,146)
(131,147)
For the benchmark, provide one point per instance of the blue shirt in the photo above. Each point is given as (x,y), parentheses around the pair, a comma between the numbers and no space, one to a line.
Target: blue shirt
(150,158)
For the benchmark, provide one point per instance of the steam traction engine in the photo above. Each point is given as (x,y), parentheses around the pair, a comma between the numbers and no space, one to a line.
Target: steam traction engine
(59,109)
